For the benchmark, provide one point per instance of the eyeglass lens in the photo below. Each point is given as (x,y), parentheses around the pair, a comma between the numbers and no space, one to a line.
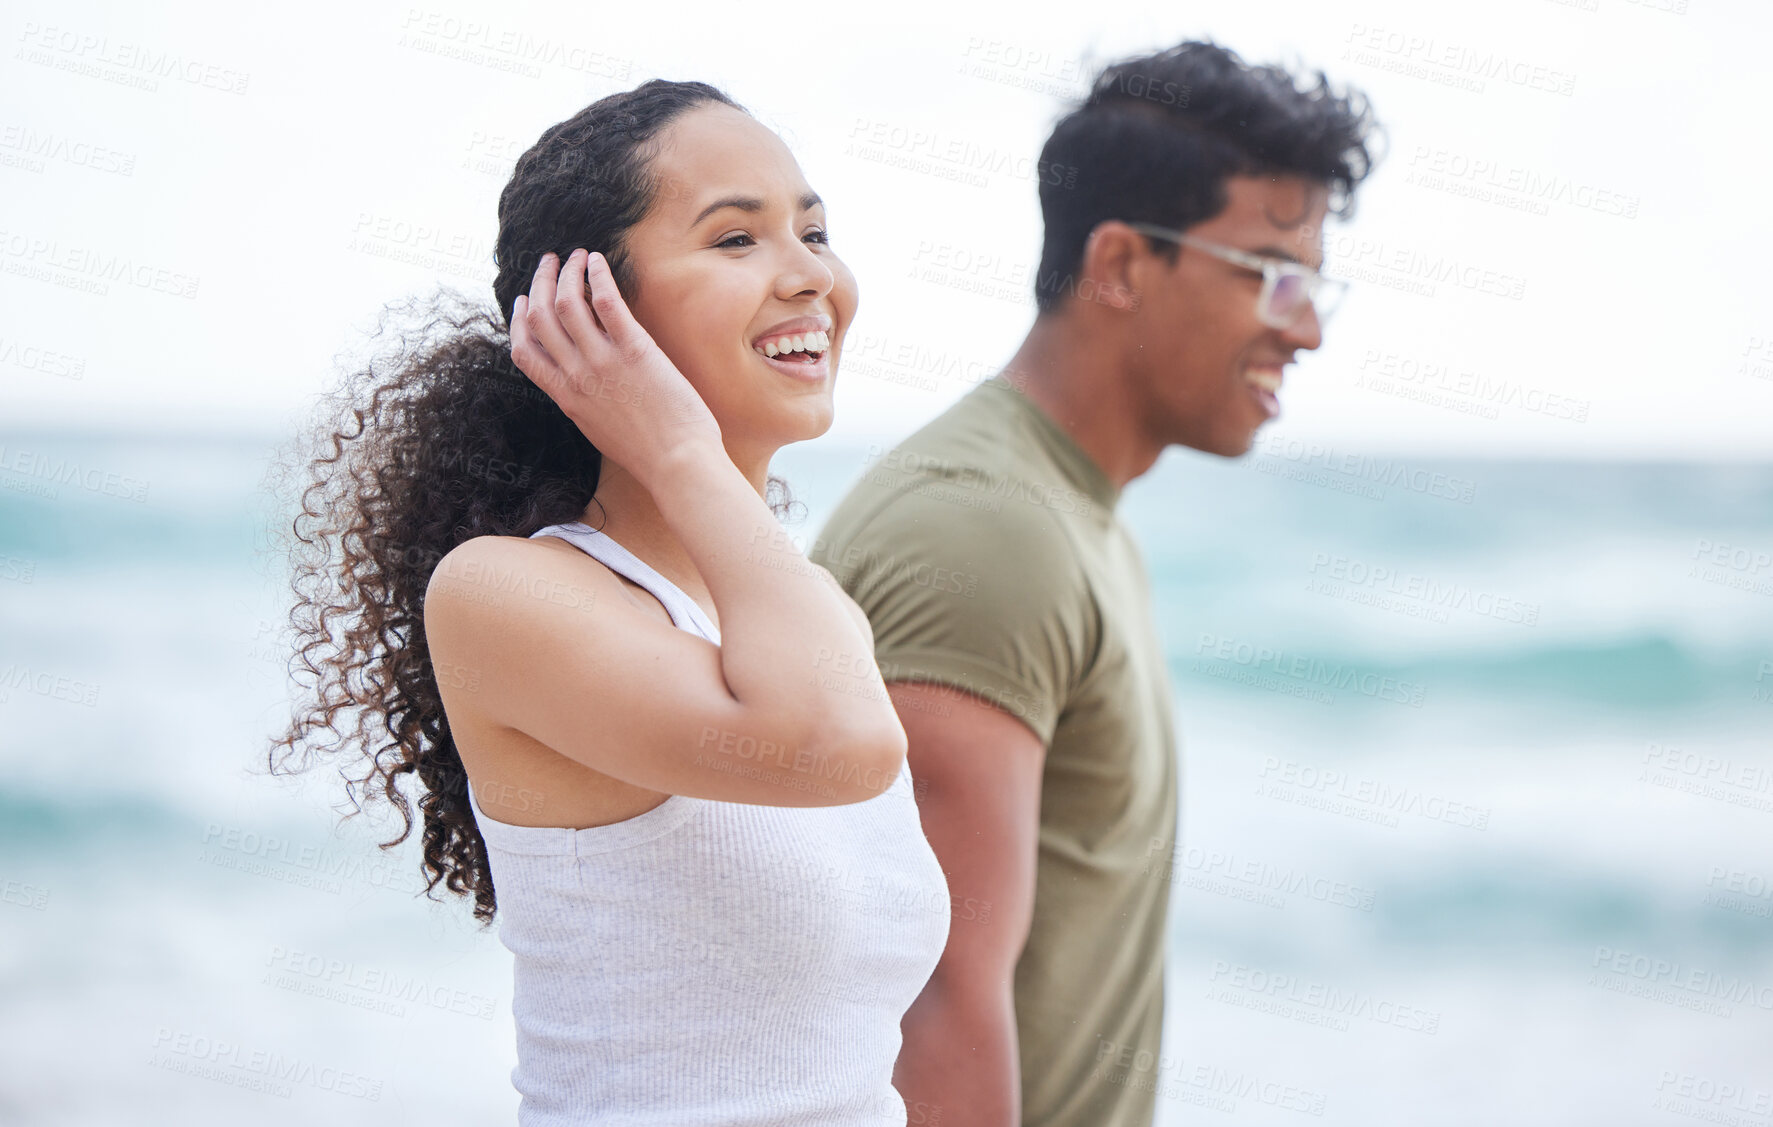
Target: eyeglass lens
(1289,299)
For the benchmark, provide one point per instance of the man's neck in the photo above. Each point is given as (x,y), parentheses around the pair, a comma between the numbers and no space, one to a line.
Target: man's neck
(1077,383)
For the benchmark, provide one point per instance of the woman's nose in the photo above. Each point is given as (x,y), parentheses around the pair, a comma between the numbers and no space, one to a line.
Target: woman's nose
(804,273)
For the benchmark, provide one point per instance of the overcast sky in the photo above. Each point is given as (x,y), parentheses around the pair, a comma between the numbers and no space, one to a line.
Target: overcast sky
(1562,253)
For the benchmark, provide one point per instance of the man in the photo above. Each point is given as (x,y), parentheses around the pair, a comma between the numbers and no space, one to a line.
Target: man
(1010,607)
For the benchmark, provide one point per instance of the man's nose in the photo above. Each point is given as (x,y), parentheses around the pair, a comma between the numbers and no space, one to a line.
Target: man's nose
(1307,332)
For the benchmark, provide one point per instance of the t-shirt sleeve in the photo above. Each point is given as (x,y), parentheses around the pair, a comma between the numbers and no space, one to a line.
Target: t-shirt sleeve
(991,603)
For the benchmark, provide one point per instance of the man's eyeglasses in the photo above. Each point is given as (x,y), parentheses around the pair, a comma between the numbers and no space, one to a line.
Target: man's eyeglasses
(1288,288)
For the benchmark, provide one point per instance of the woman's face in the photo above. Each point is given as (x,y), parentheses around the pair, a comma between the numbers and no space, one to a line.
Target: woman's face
(731,262)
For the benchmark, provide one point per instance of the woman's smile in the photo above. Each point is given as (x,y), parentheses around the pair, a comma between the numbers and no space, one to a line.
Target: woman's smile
(799,348)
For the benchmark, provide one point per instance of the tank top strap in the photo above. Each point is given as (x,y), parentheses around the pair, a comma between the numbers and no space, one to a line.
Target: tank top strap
(684,611)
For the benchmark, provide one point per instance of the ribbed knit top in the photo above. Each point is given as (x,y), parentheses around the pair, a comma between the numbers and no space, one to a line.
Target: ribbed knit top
(715,962)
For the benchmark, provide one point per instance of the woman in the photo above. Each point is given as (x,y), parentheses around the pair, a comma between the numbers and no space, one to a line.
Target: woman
(635,709)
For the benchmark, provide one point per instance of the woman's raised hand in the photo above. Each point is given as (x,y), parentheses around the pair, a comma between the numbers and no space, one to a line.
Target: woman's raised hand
(604,370)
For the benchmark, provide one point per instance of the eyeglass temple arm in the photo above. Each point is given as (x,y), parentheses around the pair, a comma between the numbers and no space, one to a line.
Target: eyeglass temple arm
(1315,278)
(1229,254)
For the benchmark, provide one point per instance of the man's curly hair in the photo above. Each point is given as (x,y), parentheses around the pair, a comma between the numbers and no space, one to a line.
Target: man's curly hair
(1158,135)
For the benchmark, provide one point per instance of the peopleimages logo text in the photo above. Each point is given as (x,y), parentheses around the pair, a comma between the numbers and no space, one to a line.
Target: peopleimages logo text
(1330,674)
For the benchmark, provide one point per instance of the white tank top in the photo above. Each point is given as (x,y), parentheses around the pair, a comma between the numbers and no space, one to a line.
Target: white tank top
(715,962)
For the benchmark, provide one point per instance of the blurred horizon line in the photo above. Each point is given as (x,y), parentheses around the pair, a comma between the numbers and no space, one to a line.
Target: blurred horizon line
(219,433)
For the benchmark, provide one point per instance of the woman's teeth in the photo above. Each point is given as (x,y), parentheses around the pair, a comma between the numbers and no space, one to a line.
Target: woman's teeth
(815,341)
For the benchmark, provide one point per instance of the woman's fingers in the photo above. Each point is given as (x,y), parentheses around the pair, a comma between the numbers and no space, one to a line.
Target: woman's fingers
(527,353)
(543,323)
(570,305)
(599,365)
(612,312)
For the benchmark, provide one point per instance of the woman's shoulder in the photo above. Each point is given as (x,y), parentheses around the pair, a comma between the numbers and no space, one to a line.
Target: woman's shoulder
(490,572)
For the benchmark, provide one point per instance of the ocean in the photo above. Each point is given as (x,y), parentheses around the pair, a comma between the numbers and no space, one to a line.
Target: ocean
(1477,802)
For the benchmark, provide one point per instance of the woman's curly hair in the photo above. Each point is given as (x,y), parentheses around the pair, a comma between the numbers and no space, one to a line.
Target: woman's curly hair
(435,440)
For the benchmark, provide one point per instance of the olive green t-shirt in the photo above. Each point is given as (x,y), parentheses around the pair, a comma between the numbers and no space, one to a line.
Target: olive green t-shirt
(987,555)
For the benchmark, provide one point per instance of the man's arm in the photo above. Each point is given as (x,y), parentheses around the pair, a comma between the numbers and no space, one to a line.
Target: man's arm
(977,772)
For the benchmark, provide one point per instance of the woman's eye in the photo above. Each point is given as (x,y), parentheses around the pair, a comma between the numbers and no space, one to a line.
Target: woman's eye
(740,241)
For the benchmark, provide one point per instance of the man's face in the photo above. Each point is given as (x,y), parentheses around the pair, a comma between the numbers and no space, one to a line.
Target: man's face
(1203,355)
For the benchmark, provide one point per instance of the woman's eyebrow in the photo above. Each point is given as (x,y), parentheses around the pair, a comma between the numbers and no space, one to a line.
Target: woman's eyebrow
(751,204)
